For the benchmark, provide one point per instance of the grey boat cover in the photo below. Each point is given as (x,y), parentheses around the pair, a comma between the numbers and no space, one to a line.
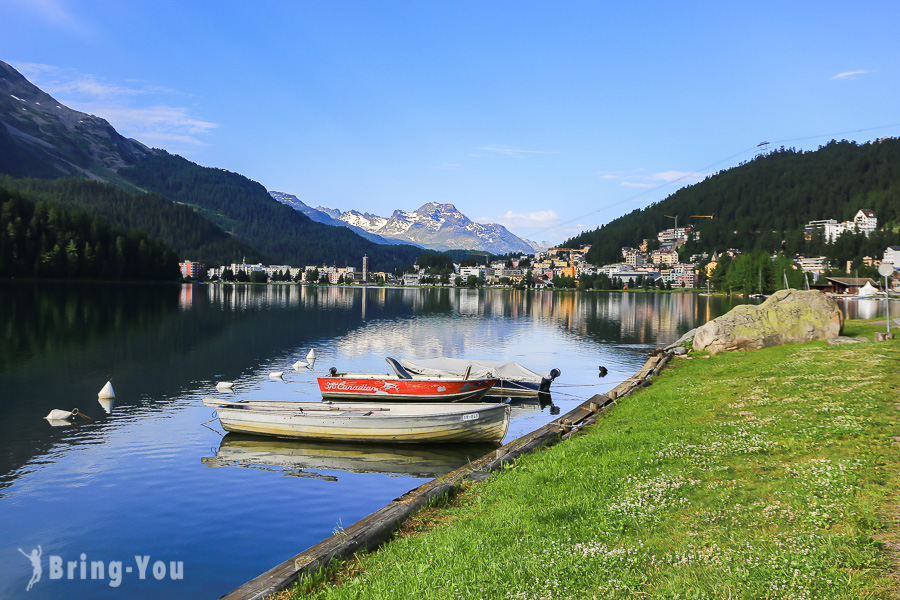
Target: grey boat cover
(508,370)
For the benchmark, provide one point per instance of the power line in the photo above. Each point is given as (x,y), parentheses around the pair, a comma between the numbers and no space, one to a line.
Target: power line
(704,169)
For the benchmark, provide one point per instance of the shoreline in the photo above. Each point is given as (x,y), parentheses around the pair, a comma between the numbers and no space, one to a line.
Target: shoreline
(379,526)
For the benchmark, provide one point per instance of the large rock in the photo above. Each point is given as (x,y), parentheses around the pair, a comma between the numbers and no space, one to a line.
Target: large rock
(786,317)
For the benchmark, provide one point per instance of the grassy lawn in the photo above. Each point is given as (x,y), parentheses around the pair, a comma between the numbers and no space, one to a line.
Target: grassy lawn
(767,474)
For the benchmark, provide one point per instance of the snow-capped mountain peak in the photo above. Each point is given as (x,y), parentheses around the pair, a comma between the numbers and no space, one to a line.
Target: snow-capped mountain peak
(433,225)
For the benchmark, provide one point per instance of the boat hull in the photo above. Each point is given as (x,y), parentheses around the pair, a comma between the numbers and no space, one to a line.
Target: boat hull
(393,389)
(514,380)
(376,423)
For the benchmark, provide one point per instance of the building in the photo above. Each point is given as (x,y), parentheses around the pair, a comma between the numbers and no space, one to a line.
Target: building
(812,264)
(194,270)
(673,238)
(892,255)
(479,272)
(864,221)
(844,285)
(664,257)
(685,276)
(633,257)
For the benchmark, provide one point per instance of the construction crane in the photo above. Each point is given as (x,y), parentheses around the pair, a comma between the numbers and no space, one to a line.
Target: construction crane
(676,219)
(704,216)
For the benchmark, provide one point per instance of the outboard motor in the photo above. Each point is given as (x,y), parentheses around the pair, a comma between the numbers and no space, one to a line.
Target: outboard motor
(333,371)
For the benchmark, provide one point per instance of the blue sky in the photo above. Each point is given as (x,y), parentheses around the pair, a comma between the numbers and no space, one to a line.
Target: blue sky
(548,117)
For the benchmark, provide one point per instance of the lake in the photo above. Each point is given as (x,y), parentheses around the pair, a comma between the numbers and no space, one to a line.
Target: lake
(148,498)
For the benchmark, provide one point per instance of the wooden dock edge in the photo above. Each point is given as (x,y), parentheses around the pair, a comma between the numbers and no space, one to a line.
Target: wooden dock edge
(373,530)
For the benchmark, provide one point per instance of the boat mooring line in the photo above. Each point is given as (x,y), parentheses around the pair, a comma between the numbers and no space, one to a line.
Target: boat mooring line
(370,532)
(215,416)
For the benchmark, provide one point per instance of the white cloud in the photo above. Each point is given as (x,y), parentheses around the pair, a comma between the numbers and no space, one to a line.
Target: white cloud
(509,151)
(848,75)
(156,125)
(510,219)
(670,176)
(132,109)
(92,87)
(654,180)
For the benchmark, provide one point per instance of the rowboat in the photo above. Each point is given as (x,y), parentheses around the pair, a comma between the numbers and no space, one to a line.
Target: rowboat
(403,386)
(308,458)
(514,379)
(364,422)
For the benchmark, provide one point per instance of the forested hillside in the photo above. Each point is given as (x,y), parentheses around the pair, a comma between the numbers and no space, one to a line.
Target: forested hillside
(178,226)
(245,209)
(44,239)
(765,203)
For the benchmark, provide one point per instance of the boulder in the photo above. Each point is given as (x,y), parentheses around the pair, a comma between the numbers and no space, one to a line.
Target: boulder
(682,341)
(786,317)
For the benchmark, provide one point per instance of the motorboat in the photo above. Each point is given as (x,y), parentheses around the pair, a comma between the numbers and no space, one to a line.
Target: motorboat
(404,386)
(513,378)
(400,422)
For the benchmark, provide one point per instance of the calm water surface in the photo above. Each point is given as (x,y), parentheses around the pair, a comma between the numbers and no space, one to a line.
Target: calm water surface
(152,476)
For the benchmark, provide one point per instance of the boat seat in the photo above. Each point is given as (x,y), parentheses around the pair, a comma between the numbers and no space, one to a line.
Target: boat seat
(398,368)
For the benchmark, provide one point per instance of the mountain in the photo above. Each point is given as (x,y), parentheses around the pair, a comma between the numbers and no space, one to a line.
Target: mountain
(436,227)
(178,226)
(245,209)
(327,217)
(764,204)
(40,137)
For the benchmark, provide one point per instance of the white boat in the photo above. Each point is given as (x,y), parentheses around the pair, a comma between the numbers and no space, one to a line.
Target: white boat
(363,422)
(513,378)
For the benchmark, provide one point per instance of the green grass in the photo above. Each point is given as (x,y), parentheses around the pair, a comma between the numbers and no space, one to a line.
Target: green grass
(767,474)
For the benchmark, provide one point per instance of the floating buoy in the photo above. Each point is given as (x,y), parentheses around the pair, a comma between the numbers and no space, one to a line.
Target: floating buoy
(276,374)
(603,371)
(64,415)
(312,355)
(107,391)
(61,415)
(225,385)
(301,365)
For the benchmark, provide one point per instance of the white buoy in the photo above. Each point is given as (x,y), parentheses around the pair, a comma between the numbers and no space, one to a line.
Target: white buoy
(58,422)
(276,374)
(312,355)
(61,415)
(225,385)
(107,391)
(300,365)
(64,415)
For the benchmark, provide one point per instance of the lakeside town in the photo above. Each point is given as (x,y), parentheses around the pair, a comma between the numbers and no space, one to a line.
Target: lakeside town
(662,267)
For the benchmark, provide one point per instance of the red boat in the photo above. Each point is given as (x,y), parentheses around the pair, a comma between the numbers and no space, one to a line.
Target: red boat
(402,386)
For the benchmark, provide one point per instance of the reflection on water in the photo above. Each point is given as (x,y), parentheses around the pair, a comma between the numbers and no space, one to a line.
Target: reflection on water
(297,457)
(135,474)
